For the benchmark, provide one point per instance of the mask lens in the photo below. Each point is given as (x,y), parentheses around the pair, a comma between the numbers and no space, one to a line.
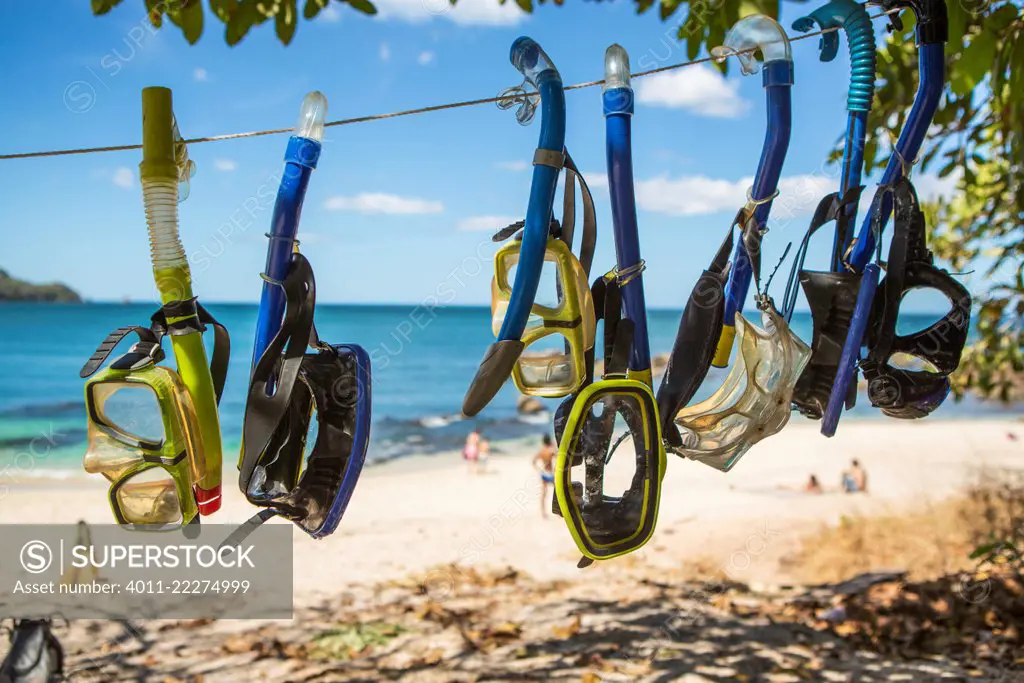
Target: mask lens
(614,458)
(548,362)
(149,497)
(131,410)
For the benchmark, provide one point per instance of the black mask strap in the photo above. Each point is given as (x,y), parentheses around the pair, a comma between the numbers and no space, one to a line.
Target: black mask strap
(263,413)
(830,208)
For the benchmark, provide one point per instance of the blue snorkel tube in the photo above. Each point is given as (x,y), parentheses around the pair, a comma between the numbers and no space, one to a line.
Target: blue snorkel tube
(618,113)
(766,35)
(932,34)
(496,367)
(300,158)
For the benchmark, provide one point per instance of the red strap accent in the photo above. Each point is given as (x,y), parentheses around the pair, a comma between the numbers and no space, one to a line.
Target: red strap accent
(208,500)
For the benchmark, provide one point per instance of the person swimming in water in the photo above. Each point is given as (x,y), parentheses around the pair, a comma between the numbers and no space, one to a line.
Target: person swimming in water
(544,462)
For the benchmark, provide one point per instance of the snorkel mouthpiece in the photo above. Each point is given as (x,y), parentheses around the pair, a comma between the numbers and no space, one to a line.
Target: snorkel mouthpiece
(311,117)
(495,368)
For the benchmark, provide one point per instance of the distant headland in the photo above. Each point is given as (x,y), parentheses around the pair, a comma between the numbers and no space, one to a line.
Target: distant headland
(13,289)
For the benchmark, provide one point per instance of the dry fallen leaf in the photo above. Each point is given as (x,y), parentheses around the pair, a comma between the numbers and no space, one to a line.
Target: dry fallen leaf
(568,631)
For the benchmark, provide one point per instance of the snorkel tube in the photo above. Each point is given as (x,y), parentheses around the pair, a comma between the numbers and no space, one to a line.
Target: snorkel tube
(496,367)
(618,113)
(854,20)
(765,34)
(165,163)
(932,34)
(300,158)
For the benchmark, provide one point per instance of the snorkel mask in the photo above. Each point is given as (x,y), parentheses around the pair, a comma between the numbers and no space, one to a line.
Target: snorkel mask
(902,393)
(518,321)
(289,385)
(832,295)
(590,426)
(144,434)
(754,400)
(593,424)
(917,400)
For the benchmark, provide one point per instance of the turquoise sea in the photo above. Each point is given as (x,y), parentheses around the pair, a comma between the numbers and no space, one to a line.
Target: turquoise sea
(423,362)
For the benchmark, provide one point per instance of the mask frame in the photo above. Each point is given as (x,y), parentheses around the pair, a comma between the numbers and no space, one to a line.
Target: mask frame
(605,527)
(312,492)
(900,393)
(180,452)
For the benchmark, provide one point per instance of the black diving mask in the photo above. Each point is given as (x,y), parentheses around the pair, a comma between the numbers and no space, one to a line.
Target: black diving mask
(898,392)
(334,382)
(832,298)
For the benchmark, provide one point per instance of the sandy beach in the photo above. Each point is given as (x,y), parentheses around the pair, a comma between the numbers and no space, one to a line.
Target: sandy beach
(418,513)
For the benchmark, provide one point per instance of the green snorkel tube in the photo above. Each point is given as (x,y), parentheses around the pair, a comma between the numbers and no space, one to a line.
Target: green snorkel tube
(165,164)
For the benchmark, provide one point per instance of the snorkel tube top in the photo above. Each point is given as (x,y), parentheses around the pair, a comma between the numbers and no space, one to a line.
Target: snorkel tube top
(528,57)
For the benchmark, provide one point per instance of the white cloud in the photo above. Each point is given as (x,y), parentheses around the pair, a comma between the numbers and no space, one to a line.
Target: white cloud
(385,52)
(225,165)
(930,187)
(124,177)
(380,202)
(515,166)
(329,14)
(700,89)
(699,195)
(486,223)
(465,13)
(426,57)
(200,75)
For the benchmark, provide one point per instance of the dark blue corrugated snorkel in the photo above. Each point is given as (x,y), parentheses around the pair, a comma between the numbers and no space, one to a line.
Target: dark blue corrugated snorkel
(496,367)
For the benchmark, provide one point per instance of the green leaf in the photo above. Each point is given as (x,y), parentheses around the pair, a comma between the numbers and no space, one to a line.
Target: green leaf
(364,6)
(190,19)
(285,21)
(975,62)
(223,9)
(525,5)
(104,6)
(313,8)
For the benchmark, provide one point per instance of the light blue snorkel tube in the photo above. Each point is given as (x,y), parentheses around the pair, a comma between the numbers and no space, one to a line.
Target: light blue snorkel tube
(758,31)
(854,20)
(932,34)
(496,367)
(300,158)
(618,113)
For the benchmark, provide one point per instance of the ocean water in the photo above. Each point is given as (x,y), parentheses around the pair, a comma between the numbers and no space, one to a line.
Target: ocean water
(423,362)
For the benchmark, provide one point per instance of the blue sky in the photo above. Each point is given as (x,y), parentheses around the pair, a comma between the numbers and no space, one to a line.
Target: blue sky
(399,208)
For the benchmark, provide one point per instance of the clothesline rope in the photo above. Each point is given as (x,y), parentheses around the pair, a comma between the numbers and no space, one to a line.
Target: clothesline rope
(412,112)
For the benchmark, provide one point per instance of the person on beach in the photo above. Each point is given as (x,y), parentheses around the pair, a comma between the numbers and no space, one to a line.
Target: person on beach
(544,462)
(483,452)
(855,479)
(471,451)
(813,485)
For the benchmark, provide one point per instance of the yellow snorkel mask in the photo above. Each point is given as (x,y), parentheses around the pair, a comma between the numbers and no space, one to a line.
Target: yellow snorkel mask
(590,427)
(559,337)
(143,433)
